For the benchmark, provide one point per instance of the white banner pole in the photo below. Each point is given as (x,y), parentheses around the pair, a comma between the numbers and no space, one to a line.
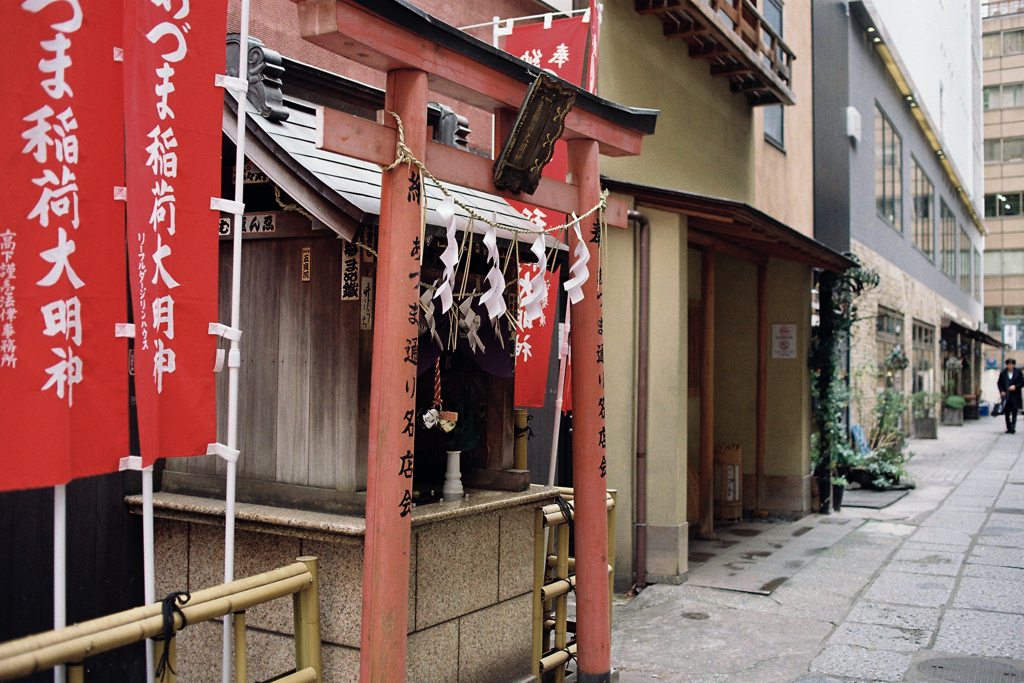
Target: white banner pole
(148,562)
(60,536)
(563,359)
(236,289)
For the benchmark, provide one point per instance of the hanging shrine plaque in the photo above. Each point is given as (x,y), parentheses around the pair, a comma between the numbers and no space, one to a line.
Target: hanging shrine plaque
(538,126)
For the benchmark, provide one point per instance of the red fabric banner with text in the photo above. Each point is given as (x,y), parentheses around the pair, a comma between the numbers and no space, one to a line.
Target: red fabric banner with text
(173,51)
(533,342)
(562,48)
(63,373)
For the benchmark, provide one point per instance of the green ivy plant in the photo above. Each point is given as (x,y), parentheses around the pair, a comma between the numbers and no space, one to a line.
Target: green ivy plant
(838,294)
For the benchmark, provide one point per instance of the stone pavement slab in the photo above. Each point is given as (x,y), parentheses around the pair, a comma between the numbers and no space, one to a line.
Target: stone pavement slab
(940,571)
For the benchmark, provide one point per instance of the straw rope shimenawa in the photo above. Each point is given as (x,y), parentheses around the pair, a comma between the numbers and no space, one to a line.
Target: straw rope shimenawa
(403,155)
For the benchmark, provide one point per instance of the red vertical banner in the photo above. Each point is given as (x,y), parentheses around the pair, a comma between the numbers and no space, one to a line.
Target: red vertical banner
(63,373)
(174,50)
(568,49)
(533,342)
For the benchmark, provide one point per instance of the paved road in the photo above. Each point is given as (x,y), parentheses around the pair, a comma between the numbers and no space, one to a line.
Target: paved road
(941,571)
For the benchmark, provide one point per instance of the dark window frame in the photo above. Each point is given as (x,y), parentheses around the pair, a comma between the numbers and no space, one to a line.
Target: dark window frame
(888,170)
(924,226)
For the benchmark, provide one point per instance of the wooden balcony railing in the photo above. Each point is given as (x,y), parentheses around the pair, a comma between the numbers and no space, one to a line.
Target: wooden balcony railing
(736,39)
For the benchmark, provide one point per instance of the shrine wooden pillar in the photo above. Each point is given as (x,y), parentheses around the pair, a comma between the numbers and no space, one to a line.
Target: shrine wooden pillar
(393,395)
(706,475)
(589,466)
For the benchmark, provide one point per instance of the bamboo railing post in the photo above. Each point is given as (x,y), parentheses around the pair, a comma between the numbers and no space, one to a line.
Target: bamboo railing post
(307,623)
(539,573)
(76,673)
(562,601)
(238,623)
(169,675)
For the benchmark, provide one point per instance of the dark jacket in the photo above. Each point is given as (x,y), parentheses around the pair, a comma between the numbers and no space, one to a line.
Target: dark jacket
(1013,398)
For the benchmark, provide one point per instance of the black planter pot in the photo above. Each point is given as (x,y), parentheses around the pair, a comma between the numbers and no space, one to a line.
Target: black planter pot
(837,497)
(824,494)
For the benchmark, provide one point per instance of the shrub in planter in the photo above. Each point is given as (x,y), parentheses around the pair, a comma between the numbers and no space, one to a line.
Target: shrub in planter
(953,411)
(923,407)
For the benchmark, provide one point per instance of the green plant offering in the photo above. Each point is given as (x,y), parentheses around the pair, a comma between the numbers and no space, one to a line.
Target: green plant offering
(956,402)
(840,481)
(464,436)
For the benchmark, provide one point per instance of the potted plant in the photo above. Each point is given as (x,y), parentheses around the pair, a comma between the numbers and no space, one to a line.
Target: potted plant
(839,484)
(923,407)
(953,411)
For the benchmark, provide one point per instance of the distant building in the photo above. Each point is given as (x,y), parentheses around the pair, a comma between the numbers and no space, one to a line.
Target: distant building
(897,182)
(1003,102)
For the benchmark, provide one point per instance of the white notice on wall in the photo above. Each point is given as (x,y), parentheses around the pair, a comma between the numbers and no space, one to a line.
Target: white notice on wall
(784,340)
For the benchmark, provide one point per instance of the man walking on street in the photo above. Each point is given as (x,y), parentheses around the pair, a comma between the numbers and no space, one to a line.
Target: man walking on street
(1010,382)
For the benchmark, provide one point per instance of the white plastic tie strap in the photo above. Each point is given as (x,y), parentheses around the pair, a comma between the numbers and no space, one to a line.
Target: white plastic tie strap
(229,333)
(132,462)
(231,83)
(218,364)
(124,330)
(227,206)
(222,451)
(234,358)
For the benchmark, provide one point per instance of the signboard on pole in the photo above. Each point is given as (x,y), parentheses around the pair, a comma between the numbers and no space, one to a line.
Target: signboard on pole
(173,52)
(63,373)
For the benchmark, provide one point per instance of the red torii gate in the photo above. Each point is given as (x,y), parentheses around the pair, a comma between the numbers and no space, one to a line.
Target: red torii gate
(421,54)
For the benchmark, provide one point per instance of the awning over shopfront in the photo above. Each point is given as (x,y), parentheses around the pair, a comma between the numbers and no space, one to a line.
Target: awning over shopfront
(977,335)
(735,226)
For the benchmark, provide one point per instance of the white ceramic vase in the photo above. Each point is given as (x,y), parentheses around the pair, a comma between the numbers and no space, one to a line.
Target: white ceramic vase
(453,477)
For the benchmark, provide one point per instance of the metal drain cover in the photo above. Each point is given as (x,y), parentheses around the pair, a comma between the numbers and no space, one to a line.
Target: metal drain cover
(970,670)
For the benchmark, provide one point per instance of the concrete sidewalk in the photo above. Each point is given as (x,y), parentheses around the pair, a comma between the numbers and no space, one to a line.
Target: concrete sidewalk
(940,571)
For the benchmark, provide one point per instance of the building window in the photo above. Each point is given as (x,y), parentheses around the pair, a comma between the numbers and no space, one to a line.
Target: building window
(1004,150)
(978,275)
(924,222)
(992,45)
(775,115)
(888,335)
(888,171)
(775,124)
(965,261)
(1005,96)
(999,204)
(1008,262)
(948,243)
(923,357)
(1013,42)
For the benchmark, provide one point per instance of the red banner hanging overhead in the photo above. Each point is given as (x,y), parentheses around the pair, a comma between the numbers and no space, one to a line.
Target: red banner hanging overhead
(173,51)
(568,49)
(63,373)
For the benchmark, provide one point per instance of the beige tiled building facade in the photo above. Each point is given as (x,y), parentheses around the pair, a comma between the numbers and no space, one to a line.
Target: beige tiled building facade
(1003,102)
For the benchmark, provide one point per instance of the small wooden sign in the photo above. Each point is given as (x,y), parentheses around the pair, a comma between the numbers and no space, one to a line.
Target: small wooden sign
(252,223)
(350,272)
(540,123)
(366,304)
(305,264)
